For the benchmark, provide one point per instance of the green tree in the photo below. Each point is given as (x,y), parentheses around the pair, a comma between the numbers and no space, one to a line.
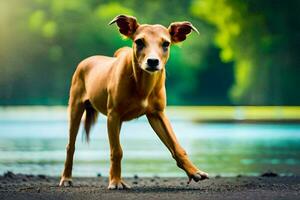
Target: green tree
(260,38)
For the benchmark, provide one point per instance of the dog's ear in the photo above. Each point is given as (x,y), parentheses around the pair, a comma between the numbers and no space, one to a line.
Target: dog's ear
(179,30)
(127,24)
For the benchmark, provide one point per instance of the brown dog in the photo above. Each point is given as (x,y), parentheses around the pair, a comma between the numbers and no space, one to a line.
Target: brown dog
(124,87)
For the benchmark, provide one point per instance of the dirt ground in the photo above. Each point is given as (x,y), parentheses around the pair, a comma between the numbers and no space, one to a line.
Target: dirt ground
(20,186)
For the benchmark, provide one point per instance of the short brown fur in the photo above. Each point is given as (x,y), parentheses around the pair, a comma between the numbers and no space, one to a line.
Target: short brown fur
(124,87)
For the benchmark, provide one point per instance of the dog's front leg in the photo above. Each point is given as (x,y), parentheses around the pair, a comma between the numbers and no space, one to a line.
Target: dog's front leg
(114,125)
(163,129)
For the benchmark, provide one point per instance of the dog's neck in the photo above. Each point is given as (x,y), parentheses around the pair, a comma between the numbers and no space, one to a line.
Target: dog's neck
(145,82)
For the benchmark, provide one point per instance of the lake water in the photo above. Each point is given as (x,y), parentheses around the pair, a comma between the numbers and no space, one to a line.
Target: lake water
(34,142)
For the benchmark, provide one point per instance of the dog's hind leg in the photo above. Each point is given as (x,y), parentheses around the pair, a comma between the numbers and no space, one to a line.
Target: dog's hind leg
(76,110)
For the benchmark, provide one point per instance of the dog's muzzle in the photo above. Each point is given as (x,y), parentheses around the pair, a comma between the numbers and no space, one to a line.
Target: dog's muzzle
(152,65)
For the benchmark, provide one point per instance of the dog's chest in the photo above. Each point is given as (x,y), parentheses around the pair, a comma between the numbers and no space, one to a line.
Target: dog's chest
(134,109)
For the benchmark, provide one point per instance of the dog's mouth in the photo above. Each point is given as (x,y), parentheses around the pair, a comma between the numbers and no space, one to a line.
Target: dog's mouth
(151,69)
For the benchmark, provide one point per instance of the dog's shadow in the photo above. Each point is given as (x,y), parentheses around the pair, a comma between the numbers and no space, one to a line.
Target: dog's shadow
(159,189)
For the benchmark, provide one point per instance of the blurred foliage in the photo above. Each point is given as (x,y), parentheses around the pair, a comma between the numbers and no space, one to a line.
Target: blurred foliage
(246,52)
(261,38)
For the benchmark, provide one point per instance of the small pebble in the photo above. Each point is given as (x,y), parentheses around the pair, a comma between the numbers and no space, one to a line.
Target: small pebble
(29,176)
(135,182)
(9,174)
(41,176)
(269,174)
(218,176)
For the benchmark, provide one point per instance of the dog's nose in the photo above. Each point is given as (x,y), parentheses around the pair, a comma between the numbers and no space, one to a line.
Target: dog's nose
(152,62)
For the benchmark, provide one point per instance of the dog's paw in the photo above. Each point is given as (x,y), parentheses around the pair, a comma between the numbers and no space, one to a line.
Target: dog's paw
(65,182)
(118,185)
(198,176)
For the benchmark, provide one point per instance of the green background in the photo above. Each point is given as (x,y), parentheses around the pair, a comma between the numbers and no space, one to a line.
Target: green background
(246,53)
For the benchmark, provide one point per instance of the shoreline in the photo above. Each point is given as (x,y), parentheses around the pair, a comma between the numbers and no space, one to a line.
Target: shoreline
(267,186)
(197,114)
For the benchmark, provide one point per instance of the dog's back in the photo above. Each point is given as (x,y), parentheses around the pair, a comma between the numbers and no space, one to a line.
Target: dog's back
(92,66)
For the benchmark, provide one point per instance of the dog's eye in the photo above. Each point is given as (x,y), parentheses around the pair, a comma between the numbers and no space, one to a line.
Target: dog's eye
(165,45)
(140,44)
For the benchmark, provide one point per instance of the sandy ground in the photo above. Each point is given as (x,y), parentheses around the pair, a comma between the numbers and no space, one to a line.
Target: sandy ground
(20,186)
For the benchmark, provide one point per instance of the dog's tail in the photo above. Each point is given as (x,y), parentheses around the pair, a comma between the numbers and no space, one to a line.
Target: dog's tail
(90,119)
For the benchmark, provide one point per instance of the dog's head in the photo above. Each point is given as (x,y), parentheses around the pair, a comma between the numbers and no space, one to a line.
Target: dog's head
(152,42)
